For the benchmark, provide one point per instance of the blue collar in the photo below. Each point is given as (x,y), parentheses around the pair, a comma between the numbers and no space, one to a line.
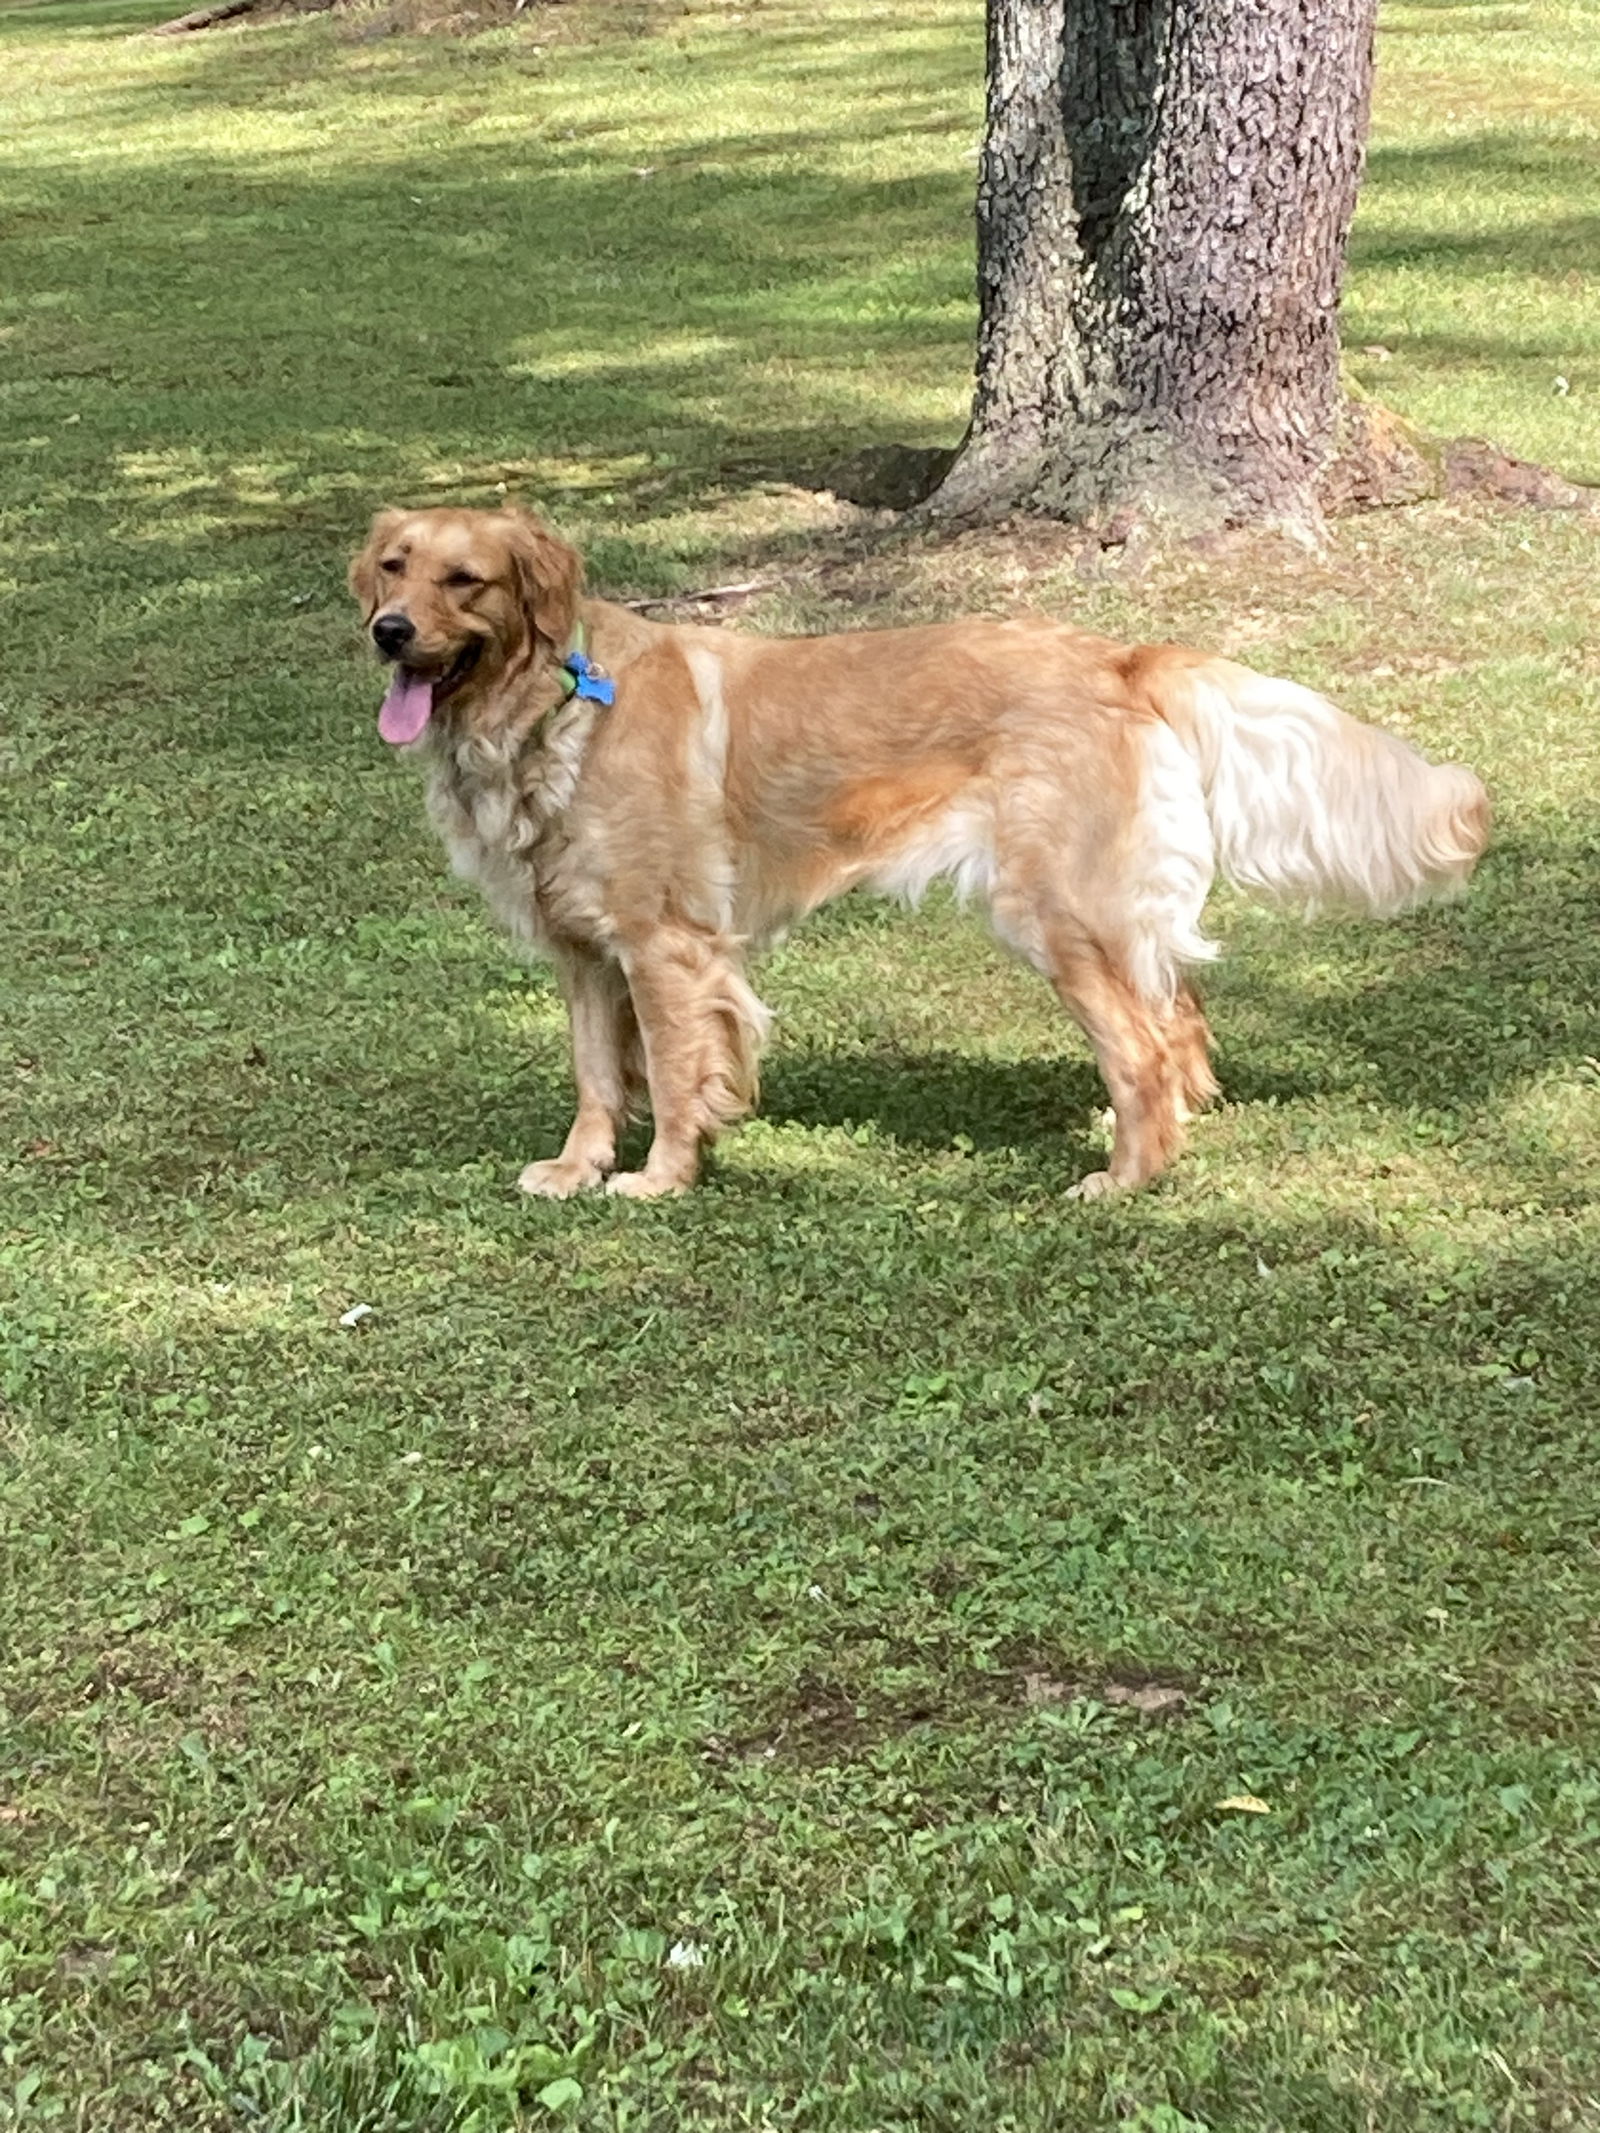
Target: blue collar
(582,678)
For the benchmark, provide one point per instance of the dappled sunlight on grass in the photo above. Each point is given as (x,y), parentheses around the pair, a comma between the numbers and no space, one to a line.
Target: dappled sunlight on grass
(774,1573)
(1477,229)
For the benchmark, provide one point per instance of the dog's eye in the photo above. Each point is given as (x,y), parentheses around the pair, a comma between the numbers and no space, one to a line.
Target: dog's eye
(392,563)
(464,580)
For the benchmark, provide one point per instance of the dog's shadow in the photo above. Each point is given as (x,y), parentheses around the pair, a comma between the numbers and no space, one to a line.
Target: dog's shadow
(1452,1012)
(937,1100)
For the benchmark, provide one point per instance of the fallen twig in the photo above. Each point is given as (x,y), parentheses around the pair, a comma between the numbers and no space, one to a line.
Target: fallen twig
(201,18)
(709,592)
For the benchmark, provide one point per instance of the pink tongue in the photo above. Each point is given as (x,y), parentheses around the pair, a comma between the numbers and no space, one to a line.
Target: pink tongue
(406,709)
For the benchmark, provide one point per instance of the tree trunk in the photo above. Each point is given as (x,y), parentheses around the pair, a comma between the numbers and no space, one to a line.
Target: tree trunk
(1164,201)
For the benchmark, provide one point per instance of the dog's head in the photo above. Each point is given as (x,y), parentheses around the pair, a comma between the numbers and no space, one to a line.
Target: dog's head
(455,599)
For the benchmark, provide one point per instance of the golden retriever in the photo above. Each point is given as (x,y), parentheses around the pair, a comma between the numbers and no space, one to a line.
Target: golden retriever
(642,801)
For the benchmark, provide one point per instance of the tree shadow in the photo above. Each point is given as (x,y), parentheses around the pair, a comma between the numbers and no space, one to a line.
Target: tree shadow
(220,477)
(298,307)
(1481,166)
(1447,1012)
(1549,249)
(1452,1007)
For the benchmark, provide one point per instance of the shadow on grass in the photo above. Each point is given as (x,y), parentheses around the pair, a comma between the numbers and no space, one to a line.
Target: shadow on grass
(51,19)
(1478,168)
(930,1099)
(1447,1011)
(416,318)
(848,1301)
(438,321)
(441,1064)
(479,316)
(1552,249)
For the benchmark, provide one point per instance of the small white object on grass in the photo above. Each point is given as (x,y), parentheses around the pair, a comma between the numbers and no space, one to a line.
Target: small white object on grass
(686,1955)
(355,1314)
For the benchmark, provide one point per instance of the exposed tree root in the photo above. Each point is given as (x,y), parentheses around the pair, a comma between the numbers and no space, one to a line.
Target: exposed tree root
(1380,461)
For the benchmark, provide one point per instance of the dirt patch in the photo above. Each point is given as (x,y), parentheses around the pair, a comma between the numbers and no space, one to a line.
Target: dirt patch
(1151,1699)
(822,1722)
(1474,465)
(1044,1680)
(147,1677)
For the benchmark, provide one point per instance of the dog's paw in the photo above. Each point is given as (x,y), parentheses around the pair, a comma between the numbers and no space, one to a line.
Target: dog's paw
(1094,1187)
(558,1180)
(640,1185)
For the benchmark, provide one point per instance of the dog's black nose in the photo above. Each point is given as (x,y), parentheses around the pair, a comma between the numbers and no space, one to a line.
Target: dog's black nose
(391,634)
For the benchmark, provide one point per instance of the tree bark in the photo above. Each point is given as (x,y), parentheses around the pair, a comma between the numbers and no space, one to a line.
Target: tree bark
(1164,201)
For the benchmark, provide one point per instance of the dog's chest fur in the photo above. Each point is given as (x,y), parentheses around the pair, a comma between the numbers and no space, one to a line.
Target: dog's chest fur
(502,809)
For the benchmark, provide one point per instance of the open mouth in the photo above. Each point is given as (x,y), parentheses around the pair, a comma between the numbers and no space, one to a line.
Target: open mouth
(413,698)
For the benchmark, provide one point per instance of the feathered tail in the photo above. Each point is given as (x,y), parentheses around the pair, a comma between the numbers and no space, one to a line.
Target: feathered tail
(1307,804)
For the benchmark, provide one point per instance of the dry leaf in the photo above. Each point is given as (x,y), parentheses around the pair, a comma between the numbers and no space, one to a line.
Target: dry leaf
(1243,1803)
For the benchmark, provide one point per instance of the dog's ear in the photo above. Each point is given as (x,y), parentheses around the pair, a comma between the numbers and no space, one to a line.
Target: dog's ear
(549,576)
(364,566)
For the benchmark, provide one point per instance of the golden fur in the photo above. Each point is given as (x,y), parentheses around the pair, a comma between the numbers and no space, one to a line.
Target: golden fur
(1085,791)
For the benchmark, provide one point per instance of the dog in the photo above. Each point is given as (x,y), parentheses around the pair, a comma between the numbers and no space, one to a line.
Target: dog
(641,802)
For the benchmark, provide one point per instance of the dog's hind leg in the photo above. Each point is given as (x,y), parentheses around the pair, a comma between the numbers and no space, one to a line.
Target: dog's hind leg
(1146,1056)
(1190,1083)
(1189,1037)
(702,1029)
(1105,897)
(1145,1022)
(608,1068)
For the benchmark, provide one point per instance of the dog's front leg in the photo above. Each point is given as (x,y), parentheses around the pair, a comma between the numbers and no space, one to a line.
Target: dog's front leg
(702,1028)
(605,1040)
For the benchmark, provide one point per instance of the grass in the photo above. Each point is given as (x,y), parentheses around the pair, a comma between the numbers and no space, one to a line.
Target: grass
(780,1659)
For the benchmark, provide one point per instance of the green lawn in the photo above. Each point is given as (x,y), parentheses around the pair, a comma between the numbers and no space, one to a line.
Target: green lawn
(779,1659)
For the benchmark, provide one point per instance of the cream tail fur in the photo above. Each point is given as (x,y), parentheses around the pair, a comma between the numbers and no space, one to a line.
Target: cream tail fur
(1310,806)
